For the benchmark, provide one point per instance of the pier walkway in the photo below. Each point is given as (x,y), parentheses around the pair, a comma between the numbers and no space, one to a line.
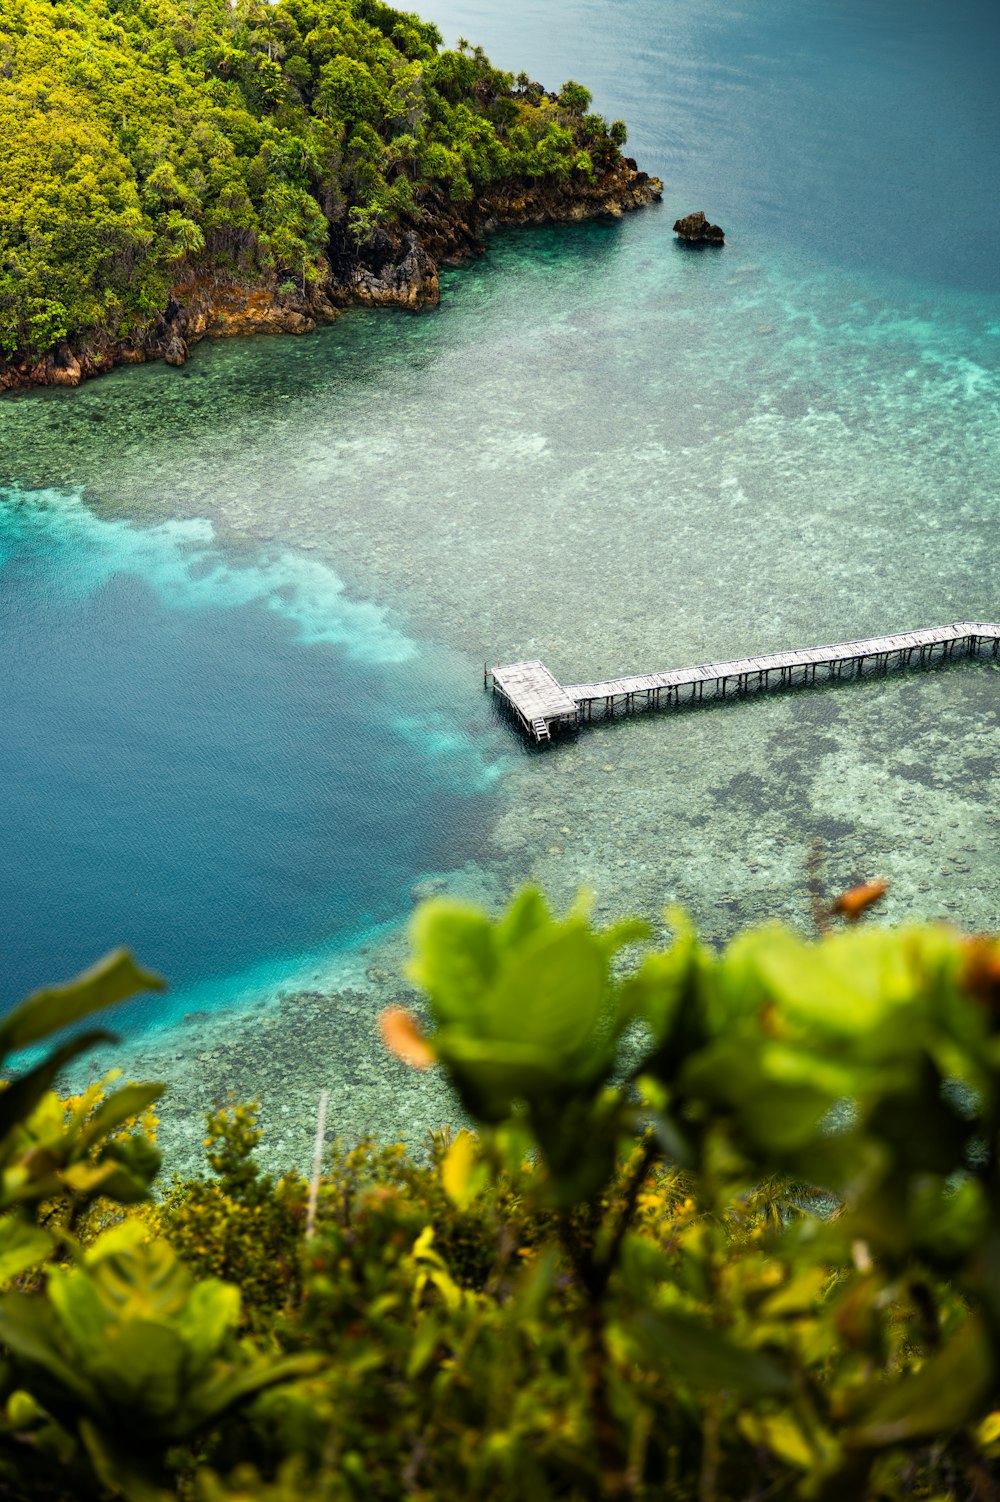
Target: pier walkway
(543,706)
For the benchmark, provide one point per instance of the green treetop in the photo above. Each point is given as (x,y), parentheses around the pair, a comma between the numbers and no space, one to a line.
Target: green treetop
(140,136)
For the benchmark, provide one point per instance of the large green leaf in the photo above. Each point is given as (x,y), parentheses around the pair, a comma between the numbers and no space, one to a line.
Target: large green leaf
(146,1278)
(111,980)
(455,958)
(707,1357)
(140,1369)
(84,1317)
(864,991)
(527,913)
(667,982)
(29,1331)
(491,1075)
(22,1096)
(22,1245)
(211,1399)
(766,1086)
(105,1180)
(946,1393)
(549,995)
(129,1101)
(208,1317)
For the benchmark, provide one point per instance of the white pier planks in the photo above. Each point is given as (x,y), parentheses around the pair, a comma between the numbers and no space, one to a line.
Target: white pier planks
(543,705)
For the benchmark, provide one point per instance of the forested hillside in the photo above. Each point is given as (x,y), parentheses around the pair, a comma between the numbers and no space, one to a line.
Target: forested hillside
(146,140)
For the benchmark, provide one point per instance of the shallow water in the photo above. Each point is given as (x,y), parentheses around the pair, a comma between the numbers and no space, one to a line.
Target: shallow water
(604,450)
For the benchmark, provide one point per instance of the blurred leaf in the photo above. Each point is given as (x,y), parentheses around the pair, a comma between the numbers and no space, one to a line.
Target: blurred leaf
(528,913)
(943,1395)
(122,1106)
(768,1086)
(667,990)
(549,995)
(626,931)
(491,1076)
(784,1436)
(800,1294)
(706,1356)
(455,958)
(111,980)
(23,1094)
(22,1245)
(463,1176)
(29,1331)
(136,1157)
(988,1432)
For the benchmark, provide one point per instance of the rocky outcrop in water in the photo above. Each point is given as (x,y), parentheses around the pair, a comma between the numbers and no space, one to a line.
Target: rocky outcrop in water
(696,230)
(396,270)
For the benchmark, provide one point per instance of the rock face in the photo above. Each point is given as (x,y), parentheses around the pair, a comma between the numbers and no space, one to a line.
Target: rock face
(398,270)
(65,368)
(199,306)
(410,282)
(696,229)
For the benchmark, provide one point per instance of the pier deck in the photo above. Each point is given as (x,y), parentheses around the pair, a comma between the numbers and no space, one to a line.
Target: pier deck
(543,706)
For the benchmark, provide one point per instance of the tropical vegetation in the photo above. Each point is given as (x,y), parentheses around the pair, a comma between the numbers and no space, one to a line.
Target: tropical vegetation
(726,1228)
(142,139)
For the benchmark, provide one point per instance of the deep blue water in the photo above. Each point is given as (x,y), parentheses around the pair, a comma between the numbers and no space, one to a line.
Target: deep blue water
(190,771)
(863,131)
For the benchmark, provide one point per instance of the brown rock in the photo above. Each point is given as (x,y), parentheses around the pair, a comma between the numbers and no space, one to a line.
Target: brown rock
(297,323)
(65,369)
(411,282)
(397,270)
(696,229)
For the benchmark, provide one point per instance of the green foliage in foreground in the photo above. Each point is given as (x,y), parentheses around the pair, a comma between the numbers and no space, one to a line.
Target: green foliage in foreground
(728,1228)
(139,137)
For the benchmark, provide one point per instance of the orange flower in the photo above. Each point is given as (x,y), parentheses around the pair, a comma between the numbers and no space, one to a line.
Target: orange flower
(401,1035)
(850,905)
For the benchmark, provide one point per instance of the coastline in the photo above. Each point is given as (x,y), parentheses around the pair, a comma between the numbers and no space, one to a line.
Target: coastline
(397,271)
(277,1052)
(282,1047)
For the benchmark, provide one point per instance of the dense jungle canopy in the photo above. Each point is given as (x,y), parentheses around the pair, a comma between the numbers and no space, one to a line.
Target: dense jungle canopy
(140,135)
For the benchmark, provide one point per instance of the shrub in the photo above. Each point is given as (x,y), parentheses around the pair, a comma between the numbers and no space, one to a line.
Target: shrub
(724,1228)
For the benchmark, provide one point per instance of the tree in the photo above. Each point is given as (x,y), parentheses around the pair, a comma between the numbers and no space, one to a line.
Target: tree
(574,98)
(144,135)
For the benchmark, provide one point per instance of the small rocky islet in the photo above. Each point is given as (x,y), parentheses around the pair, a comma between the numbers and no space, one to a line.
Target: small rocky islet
(694,229)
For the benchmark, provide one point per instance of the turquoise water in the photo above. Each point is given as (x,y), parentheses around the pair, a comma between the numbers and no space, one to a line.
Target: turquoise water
(172,780)
(604,450)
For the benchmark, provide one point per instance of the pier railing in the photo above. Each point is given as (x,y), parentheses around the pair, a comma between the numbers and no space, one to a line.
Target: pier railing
(543,706)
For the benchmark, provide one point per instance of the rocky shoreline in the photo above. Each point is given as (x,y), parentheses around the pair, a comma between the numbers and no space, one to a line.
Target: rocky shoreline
(398,270)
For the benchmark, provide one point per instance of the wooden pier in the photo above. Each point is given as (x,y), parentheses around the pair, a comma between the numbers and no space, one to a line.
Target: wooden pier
(544,706)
